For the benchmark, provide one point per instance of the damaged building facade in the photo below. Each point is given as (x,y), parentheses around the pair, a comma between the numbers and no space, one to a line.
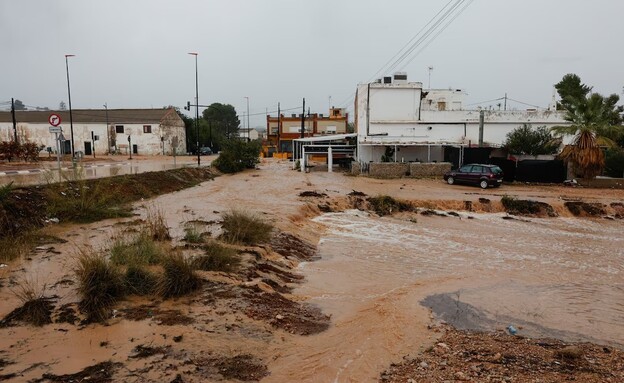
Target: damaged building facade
(102,131)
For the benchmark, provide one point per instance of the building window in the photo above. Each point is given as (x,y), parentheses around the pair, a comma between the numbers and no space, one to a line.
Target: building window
(147,128)
(119,129)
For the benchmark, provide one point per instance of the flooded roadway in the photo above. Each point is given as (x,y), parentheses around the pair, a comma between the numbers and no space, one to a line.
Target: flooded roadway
(560,277)
(551,277)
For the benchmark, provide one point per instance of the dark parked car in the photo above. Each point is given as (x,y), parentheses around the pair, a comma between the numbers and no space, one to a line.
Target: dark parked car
(478,174)
(205,151)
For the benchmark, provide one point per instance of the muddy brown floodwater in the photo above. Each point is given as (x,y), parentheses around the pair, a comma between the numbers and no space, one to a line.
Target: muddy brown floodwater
(376,277)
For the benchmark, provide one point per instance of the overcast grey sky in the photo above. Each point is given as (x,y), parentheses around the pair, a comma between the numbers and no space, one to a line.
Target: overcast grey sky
(133,54)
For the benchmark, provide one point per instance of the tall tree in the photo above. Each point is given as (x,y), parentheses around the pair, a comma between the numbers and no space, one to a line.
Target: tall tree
(594,121)
(222,123)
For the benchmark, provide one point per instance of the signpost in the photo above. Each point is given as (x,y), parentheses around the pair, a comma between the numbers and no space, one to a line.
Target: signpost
(55,121)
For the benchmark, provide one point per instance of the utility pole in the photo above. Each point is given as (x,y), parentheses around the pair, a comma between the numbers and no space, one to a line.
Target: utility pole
(108,143)
(279,119)
(71,120)
(196,108)
(481,125)
(505,108)
(14,120)
(303,119)
(248,126)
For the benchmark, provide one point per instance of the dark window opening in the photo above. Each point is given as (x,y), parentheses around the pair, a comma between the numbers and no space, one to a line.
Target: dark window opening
(147,128)
(119,128)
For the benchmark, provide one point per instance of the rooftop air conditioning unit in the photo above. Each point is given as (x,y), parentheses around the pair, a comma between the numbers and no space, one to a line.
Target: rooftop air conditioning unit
(400,78)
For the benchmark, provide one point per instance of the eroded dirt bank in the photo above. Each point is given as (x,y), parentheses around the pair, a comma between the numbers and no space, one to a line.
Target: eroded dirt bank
(261,322)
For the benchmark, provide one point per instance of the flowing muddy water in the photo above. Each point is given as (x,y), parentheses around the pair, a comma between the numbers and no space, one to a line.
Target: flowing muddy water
(560,277)
(550,277)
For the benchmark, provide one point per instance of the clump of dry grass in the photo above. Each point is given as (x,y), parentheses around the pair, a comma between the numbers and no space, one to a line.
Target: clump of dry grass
(139,249)
(36,308)
(100,285)
(156,225)
(217,258)
(192,234)
(178,278)
(247,228)
(139,280)
(385,205)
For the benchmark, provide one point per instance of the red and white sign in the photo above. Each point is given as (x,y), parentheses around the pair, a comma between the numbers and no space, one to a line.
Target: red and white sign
(54,119)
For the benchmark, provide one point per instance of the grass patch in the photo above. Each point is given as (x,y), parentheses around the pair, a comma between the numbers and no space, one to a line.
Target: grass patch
(156,225)
(192,234)
(82,201)
(527,207)
(217,258)
(386,205)
(100,285)
(139,280)
(246,228)
(141,249)
(178,278)
(14,247)
(36,308)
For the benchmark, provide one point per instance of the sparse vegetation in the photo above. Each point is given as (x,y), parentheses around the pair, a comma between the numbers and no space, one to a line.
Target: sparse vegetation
(13,248)
(139,280)
(238,155)
(156,225)
(178,278)
(36,308)
(139,250)
(385,205)
(192,234)
(100,285)
(243,227)
(217,258)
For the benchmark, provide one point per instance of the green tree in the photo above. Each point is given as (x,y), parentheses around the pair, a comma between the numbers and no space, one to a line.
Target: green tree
(526,140)
(222,123)
(614,162)
(594,119)
(237,155)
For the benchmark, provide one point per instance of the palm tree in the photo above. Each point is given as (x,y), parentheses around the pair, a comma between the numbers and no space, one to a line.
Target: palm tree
(593,122)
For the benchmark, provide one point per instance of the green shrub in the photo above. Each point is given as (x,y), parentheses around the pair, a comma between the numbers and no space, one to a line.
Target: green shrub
(178,278)
(100,285)
(139,280)
(237,155)
(217,258)
(140,249)
(385,205)
(614,162)
(192,234)
(246,228)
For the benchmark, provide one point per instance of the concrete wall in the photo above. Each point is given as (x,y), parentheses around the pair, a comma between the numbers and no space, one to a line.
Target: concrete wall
(341,126)
(428,169)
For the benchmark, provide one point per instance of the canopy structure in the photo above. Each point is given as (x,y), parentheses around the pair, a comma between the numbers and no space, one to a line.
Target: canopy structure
(331,146)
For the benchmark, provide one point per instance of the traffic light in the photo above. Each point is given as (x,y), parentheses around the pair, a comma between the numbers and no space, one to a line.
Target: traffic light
(188,106)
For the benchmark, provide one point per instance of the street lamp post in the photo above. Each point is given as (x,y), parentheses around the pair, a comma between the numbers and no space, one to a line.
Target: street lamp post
(71,120)
(196,107)
(248,127)
(108,143)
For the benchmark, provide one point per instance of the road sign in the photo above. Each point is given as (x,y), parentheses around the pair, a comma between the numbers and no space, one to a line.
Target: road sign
(55,129)
(54,119)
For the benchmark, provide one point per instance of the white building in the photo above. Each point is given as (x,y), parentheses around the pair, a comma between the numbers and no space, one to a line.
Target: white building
(427,125)
(144,131)
(245,133)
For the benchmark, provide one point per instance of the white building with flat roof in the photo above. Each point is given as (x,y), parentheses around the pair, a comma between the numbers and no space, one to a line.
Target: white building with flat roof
(423,125)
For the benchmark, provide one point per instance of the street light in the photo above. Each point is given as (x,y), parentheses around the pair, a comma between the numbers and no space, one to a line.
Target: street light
(71,120)
(247,118)
(196,107)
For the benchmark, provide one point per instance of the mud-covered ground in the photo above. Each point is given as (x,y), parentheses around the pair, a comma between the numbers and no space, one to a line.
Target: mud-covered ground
(250,324)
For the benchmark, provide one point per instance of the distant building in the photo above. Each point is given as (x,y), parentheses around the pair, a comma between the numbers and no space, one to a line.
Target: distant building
(314,125)
(430,125)
(252,135)
(151,131)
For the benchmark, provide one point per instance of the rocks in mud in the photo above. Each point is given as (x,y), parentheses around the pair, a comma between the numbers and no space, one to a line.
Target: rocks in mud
(430,212)
(579,208)
(290,246)
(311,193)
(527,207)
(98,373)
(356,193)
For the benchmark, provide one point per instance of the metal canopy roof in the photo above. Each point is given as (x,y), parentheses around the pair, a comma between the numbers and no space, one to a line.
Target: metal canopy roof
(334,137)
